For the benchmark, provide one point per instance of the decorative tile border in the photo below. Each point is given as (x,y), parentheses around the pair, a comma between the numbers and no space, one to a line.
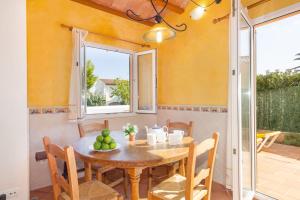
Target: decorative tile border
(194,108)
(48,110)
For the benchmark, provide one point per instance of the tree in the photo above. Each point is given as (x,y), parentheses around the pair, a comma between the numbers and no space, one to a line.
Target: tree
(90,77)
(277,80)
(122,91)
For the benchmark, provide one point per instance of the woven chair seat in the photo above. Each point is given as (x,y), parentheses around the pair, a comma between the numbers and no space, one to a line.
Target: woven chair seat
(94,190)
(173,188)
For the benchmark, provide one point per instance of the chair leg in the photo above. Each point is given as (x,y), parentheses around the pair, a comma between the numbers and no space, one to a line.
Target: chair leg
(149,196)
(125,182)
(150,176)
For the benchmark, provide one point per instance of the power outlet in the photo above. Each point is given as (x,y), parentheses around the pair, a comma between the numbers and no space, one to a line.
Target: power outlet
(10,193)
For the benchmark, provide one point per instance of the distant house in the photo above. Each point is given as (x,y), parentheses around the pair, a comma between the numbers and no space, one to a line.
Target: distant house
(105,87)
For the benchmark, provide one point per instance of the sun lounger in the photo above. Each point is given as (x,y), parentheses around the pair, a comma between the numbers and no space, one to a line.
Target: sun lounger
(265,140)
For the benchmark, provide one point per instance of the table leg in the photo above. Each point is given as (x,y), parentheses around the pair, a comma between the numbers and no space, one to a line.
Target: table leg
(172,169)
(134,176)
(87,171)
(182,167)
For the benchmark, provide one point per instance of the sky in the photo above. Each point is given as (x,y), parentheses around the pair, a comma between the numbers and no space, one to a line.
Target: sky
(277,44)
(109,64)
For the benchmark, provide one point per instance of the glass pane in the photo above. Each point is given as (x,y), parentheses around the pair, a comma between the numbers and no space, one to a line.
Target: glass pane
(245,92)
(107,81)
(145,80)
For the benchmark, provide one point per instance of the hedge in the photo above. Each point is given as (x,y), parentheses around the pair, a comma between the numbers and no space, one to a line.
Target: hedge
(279,109)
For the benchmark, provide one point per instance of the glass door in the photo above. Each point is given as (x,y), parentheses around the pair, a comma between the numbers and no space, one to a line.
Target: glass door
(241,106)
(245,105)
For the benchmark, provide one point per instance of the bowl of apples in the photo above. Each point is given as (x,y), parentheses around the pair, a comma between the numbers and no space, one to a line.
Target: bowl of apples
(104,142)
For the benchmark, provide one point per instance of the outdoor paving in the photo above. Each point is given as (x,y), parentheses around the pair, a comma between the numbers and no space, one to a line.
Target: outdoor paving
(278,172)
(284,150)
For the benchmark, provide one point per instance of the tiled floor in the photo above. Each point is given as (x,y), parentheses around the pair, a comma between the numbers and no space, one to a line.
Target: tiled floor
(278,175)
(218,191)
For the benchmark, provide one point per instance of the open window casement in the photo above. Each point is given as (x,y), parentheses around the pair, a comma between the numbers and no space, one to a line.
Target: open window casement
(77,76)
(145,86)
(82,81)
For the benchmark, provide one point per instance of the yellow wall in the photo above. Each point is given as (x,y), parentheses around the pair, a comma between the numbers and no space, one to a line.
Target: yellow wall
(193,68)
(50,46)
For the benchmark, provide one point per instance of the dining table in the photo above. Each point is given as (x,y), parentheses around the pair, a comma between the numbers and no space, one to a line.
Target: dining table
(133,156)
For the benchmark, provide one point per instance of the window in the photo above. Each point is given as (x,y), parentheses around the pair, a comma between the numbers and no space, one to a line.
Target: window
(145,66)
(119,81)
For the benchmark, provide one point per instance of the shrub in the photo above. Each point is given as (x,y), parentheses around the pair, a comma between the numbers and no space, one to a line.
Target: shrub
(277,101)
(96,100)
(292,139)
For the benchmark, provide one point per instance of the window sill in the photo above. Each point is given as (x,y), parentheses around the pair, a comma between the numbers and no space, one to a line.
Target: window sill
(110,115)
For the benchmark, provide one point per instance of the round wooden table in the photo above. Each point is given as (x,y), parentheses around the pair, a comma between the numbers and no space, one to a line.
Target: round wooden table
(132,156)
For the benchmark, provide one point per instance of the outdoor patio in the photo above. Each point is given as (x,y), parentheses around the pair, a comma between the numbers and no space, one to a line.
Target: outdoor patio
(277,170)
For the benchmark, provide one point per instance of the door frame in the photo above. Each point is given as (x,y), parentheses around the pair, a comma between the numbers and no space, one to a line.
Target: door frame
(234,111)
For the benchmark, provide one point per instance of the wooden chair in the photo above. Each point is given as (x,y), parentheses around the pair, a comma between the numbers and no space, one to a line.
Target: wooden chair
(172,167)
(69,189)
(186,127)
(90,127)
(190,187)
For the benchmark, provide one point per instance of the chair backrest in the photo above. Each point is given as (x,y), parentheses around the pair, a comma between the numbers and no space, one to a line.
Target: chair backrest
(89,127)
(187,127)
(210,146)
(70,186)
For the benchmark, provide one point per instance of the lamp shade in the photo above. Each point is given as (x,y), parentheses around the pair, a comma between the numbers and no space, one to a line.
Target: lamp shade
(159,33)
(197,13)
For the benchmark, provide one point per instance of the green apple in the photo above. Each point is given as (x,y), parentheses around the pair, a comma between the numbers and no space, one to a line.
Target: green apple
(113,145)
(97,145)
(99,138)
(105,132)
(107,139)
(105,146)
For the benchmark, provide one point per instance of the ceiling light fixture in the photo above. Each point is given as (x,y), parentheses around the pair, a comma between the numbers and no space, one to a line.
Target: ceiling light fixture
(199,11)
(162,30)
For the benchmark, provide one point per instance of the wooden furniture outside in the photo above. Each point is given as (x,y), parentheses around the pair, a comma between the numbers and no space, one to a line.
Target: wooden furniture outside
(70,189)
(132,156)
(266,139)
(190,187)
(87,128)
(173,167)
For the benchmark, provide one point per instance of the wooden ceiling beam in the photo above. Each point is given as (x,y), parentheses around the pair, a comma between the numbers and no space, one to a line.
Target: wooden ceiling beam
(171,6)
(258,3)
(110,10)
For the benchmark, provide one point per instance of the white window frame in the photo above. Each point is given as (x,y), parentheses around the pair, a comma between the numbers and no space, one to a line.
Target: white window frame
(133,83)
(154,81)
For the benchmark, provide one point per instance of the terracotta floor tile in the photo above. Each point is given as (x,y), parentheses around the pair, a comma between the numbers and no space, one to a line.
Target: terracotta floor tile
(219,192)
